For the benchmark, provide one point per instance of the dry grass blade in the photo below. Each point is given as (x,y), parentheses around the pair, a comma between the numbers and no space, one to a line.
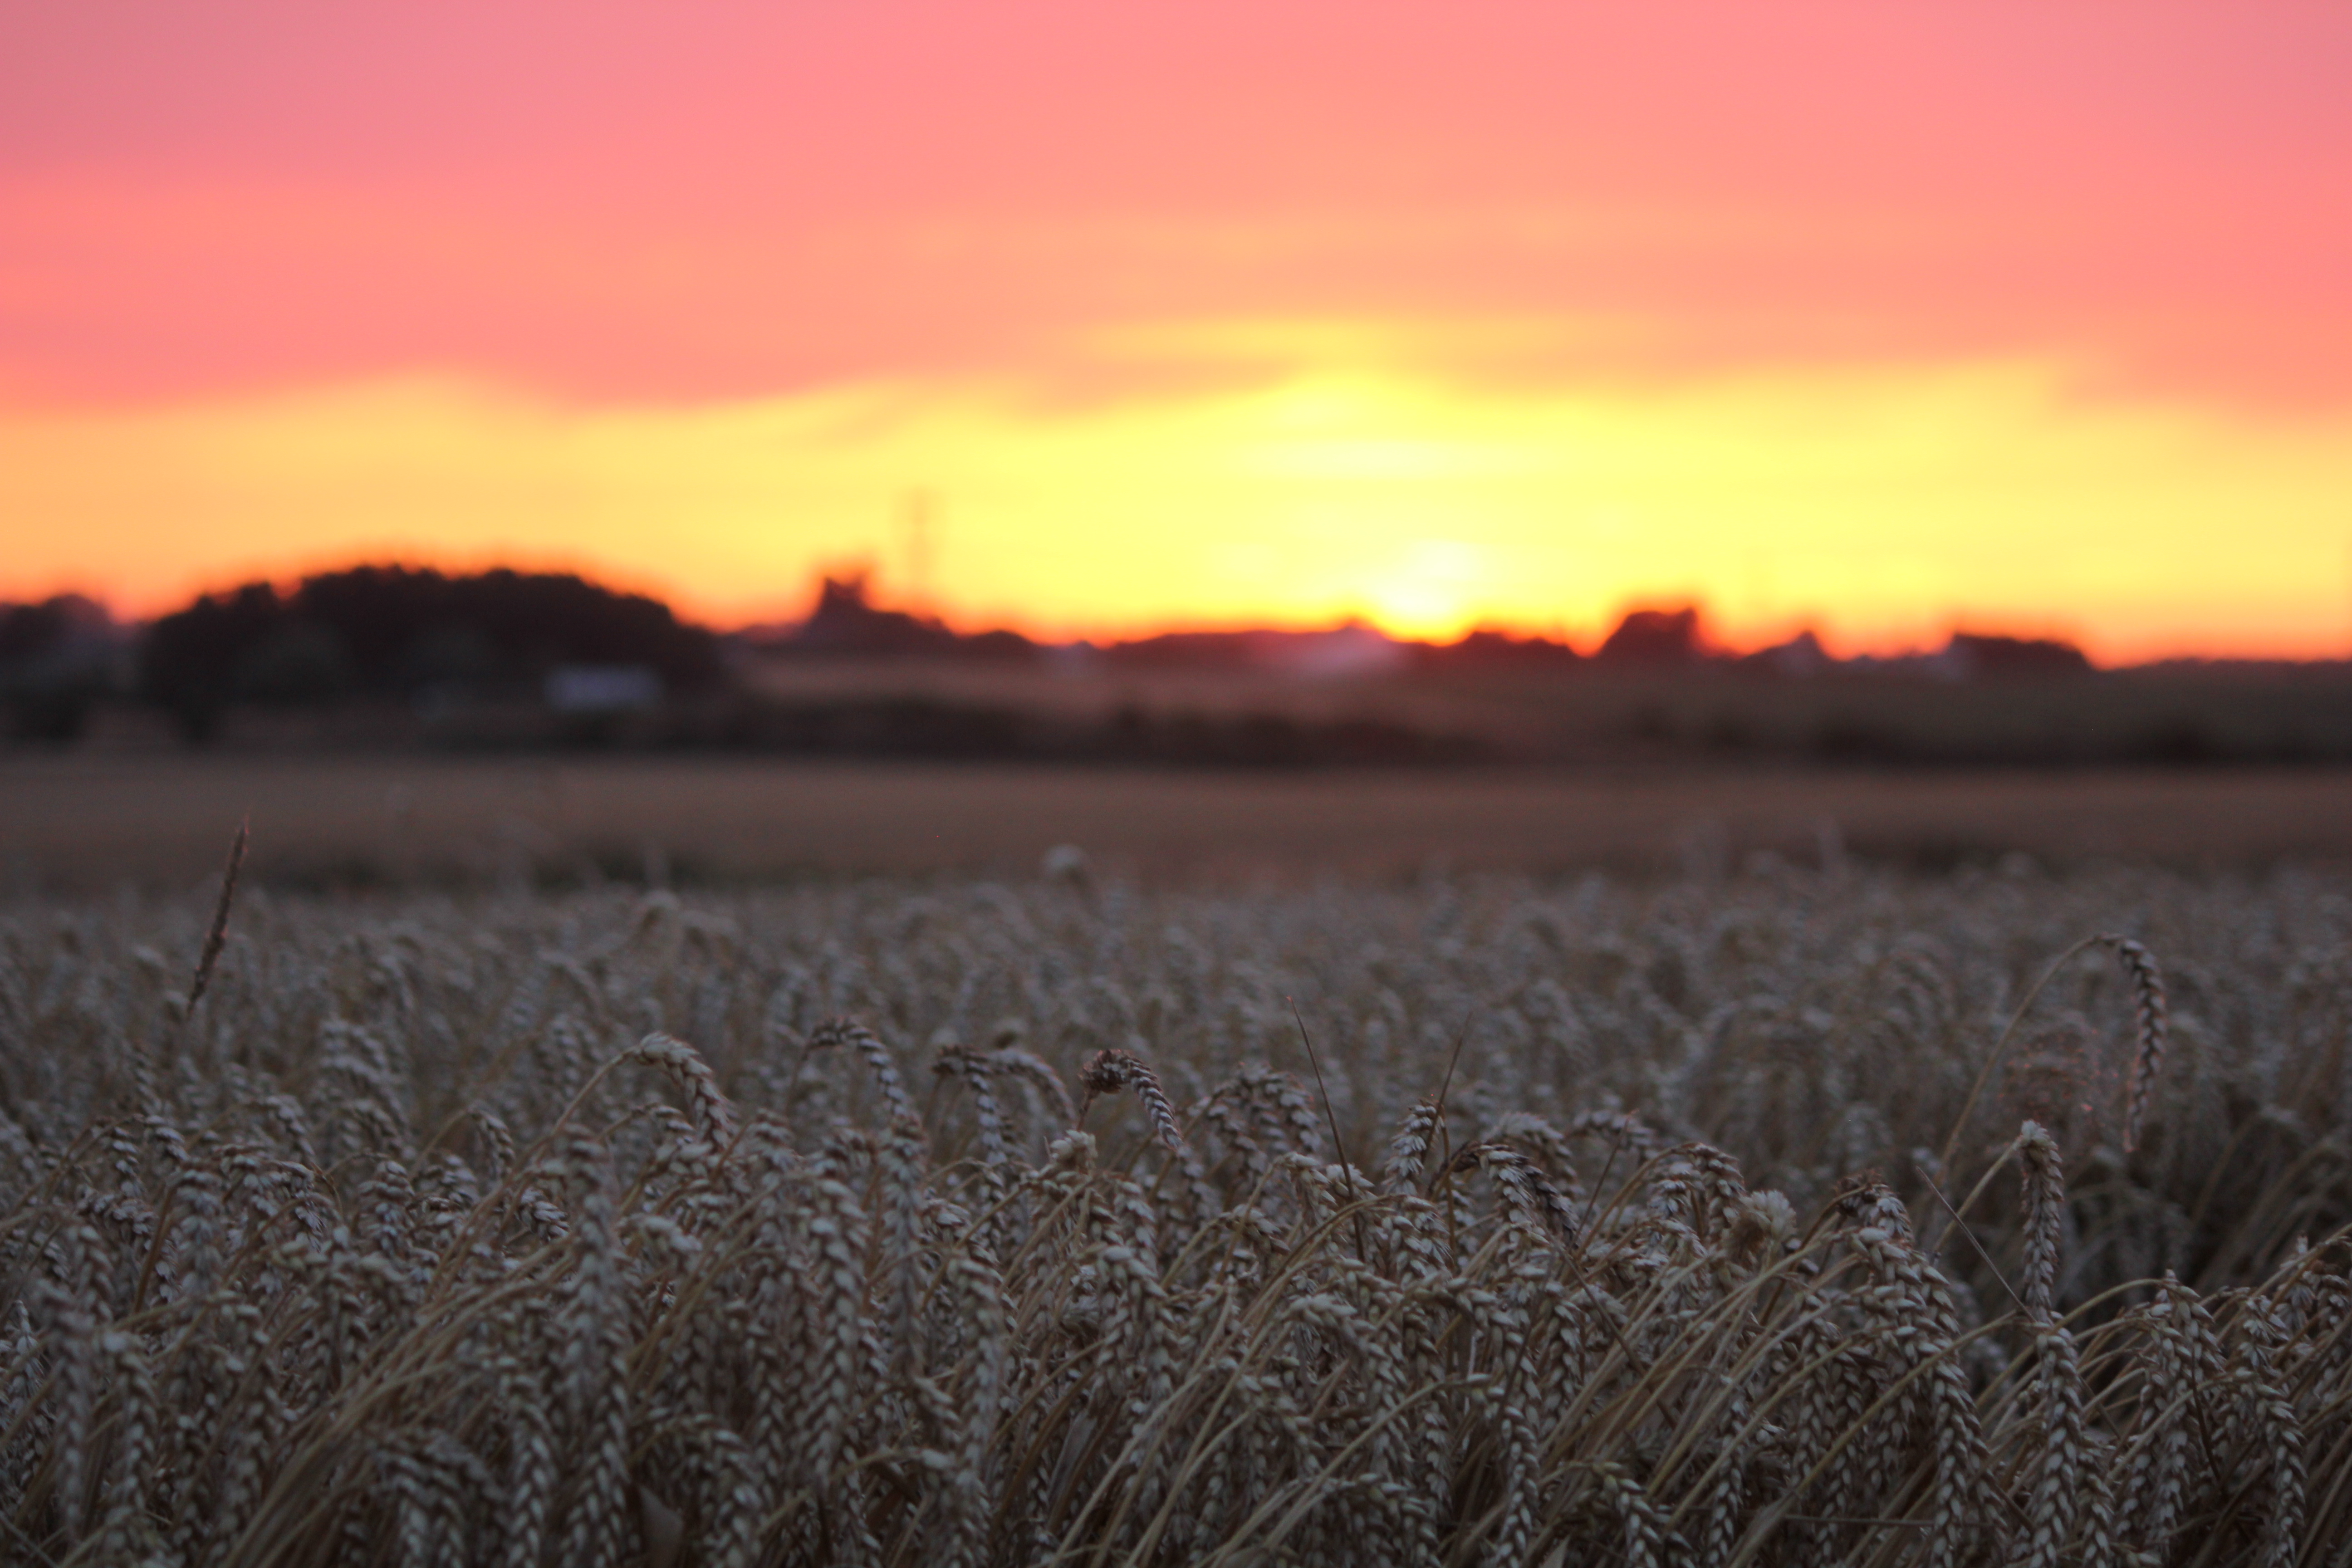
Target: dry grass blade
(1339,1144)
(216,935)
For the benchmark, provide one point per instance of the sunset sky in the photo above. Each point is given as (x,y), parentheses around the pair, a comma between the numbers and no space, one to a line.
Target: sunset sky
(1878,317)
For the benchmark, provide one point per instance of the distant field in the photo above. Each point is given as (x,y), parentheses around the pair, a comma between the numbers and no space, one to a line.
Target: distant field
(1068,710)
(2161,715)
(91,822)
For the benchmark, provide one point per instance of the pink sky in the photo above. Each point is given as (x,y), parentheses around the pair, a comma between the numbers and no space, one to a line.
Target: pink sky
(1083,207)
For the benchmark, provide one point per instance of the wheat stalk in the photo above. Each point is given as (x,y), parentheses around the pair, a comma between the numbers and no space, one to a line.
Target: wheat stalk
(216,932)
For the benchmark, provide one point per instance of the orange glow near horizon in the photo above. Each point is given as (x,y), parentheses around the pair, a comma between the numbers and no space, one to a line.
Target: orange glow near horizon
(1883,508)
(2026,317)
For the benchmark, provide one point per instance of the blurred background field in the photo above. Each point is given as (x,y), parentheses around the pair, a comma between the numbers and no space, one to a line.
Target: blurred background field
(1461,703)
(89,822)
(388,728)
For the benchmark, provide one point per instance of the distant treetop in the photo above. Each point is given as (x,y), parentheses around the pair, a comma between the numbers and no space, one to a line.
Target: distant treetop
(397,631)
(56,659)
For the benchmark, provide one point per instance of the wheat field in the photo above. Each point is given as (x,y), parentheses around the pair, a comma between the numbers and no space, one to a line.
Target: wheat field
(1797,1218)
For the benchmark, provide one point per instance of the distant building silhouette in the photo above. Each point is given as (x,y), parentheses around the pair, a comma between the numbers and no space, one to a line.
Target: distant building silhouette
(1352,649)
(1801,655)
(1653,638)
(846,622)
(603,688)
(1970,654)
(1487,649)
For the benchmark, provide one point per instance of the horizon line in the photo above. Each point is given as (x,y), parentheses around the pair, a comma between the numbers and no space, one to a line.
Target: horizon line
(1584,641)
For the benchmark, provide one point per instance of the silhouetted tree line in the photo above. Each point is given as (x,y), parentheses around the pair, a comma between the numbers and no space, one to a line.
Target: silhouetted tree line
(1643,639)
(402,632)
(845,622)
(395,634)
(56,660)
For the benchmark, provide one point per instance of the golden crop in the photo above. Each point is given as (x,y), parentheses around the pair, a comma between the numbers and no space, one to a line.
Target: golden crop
(1797,1219)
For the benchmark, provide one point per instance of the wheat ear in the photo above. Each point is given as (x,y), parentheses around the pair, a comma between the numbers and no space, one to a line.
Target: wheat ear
(1109,1071)
(2044,1200)
(2148,1008)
